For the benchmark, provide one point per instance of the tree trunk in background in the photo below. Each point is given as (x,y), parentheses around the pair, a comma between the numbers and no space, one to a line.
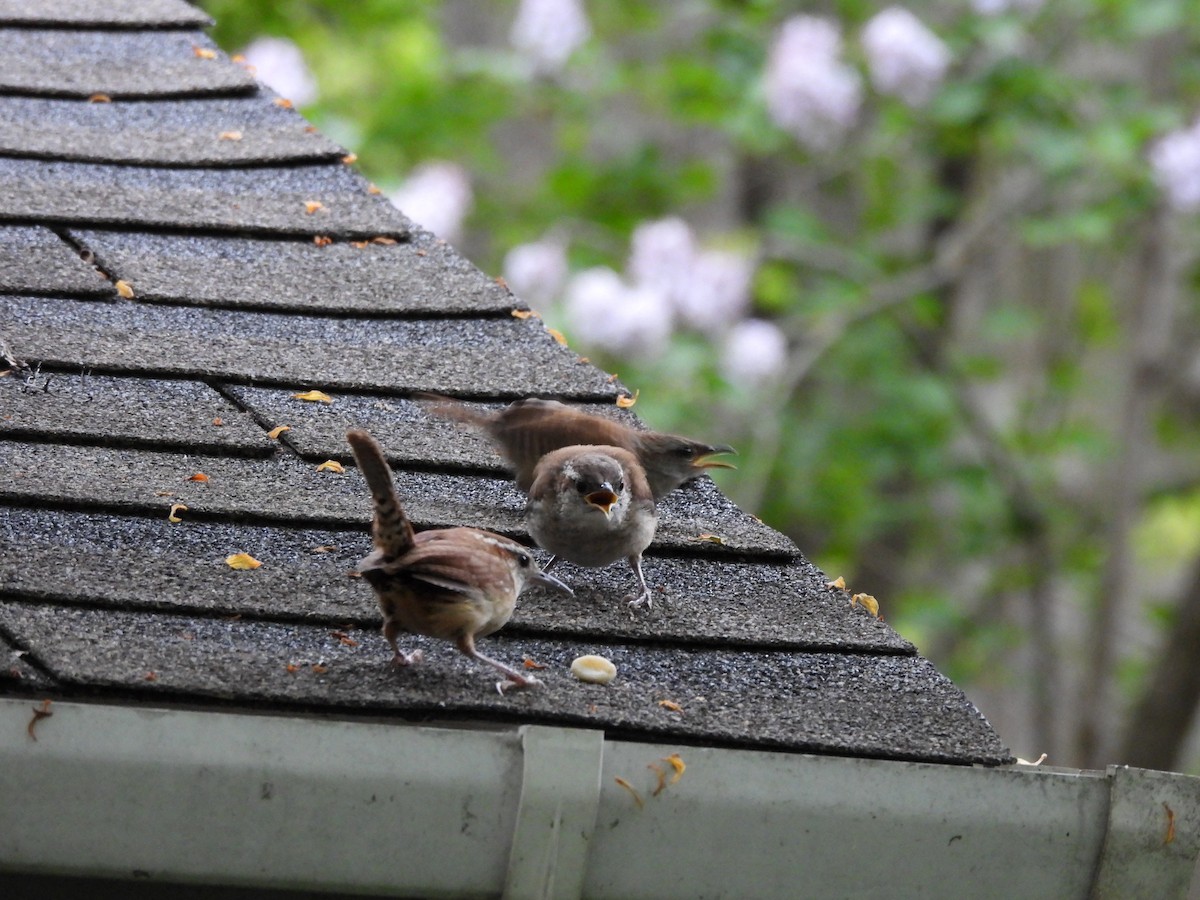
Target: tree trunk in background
(1160,722)
(1149,324)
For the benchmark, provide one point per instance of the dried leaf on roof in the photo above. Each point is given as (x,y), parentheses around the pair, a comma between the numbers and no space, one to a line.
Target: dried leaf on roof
(241,561)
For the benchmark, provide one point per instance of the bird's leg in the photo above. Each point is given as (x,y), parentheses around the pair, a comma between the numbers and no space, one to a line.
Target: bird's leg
(401,659)
(466,644)
(643,598)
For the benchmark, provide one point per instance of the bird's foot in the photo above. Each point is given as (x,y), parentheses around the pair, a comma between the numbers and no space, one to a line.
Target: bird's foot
(637,601)
(402,660)
(520,683)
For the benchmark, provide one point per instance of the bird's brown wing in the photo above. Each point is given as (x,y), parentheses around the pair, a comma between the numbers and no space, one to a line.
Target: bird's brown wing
(528,430)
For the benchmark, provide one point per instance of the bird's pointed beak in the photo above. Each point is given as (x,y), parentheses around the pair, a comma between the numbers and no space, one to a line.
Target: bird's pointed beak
(603,500)
(545,579)
(704,460)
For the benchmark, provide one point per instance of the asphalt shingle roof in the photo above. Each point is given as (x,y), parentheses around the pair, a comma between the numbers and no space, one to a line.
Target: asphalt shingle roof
(255,272)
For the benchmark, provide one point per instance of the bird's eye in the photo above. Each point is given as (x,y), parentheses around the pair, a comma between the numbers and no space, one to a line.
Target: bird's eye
(620,486)
(685,452)
(582,488)
(523,560)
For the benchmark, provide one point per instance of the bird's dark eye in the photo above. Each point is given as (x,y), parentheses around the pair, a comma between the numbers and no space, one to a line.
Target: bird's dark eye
(523,560)
(685,452)
(583,488)
(619,486)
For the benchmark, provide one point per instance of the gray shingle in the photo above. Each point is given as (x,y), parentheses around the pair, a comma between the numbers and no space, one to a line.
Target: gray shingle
(411,435)
(54,62)
(132,411)
(179,567)
(36,260)
(893,706)
(501,357)
(79,13)
(220,132)
(290,490)
(266,199)
(420,277)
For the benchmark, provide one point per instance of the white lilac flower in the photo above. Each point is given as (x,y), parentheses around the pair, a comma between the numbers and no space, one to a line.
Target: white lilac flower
(810,92)
(549,31)
(536,271)
(754,352)
(905,58)
(279,64)
(662,255)
(1175,163)
(717,293)
(437,196)
(999,7)
(603,312)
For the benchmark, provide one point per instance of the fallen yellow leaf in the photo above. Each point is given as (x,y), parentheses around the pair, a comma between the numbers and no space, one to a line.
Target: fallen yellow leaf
(199,476)
(242,561)
(331,465)
(350,159)
(525,314)
(839,583)
(867,602)
(671,705)
(625,401)
(99,98)
(311,206)
(322,240)
(283,102)
(637,798)
(204,53)
(275,432)
(171,517)
(125,289)
(710,538)
(661,777)
(675,761)
(313,396)
(559,336)
(229,136)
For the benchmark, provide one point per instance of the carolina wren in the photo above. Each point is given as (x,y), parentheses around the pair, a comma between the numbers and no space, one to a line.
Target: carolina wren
(592,505)
(456,584)
(527,430)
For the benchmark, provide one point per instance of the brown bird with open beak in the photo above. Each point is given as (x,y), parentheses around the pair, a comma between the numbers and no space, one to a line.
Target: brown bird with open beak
(592,505)
(526,430)
(456,584)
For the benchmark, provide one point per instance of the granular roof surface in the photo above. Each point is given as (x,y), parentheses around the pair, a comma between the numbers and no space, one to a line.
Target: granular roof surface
(167,289)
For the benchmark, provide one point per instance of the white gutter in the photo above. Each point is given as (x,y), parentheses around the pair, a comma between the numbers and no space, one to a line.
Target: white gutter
(310,804)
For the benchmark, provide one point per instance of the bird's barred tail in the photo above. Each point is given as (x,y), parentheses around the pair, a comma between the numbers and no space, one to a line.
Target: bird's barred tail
(392,530)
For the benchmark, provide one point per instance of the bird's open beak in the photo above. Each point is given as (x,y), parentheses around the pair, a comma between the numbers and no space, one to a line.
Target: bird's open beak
(602,499)
(545,579)
(703,461)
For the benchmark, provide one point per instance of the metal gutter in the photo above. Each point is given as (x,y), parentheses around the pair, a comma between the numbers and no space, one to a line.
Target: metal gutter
(308,804)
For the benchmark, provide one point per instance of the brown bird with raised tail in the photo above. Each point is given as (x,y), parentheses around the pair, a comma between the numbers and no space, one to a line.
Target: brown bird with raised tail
(456,584)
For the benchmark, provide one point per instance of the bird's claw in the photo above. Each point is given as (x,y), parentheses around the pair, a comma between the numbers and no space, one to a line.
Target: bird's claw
(643,599)
(525,683)
(402,659)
